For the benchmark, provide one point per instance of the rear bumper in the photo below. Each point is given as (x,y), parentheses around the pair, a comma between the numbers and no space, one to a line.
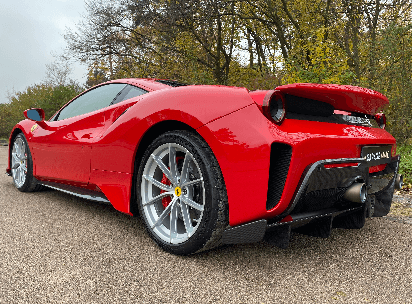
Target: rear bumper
(318,203)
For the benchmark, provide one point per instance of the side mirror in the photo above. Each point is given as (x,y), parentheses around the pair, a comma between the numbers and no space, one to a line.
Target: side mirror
(37,115)
(34,114)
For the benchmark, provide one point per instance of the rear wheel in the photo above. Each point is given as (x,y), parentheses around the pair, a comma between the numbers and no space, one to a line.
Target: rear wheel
(181,194)
(22,166)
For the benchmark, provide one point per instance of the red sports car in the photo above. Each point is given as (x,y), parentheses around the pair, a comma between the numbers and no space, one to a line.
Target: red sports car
(211,165)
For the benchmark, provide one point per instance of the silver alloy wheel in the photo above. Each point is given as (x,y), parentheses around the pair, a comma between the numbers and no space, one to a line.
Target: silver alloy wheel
(19,162)
(173,209)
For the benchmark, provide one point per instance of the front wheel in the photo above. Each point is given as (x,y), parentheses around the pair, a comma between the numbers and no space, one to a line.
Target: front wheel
(181,194)
(22,166)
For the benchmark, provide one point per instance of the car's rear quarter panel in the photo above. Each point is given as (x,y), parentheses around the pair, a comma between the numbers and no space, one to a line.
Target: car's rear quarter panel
(243,152)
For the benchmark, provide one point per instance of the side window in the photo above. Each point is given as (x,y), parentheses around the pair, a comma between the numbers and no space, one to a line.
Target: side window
(93,100)
(129,92)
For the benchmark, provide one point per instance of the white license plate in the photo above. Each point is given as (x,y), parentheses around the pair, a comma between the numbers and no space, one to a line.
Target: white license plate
(376,155)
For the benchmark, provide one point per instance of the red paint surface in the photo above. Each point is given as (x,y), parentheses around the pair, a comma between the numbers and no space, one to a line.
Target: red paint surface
(377,168)
(341,165)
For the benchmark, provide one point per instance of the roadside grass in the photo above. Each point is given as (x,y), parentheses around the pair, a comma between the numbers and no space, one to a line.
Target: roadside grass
(405,166)
(404,208)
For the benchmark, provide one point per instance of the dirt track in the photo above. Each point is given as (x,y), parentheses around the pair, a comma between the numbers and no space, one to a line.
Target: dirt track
(56,248)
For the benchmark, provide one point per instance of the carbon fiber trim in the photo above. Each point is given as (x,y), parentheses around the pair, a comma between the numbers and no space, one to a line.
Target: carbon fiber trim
(279,233)
(247,233)
(307,217)
(318,167)
(80,192)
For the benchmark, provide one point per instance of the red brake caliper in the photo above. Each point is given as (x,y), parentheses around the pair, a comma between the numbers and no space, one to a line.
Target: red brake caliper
(165,181)
(166,200)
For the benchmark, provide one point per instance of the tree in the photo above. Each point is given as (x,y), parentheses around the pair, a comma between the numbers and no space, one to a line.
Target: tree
(252,43)
(46,96)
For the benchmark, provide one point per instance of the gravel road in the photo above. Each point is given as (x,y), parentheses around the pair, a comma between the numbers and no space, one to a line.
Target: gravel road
(56,248)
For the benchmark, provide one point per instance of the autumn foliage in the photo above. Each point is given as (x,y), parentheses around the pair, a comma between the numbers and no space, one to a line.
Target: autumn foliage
(258,44)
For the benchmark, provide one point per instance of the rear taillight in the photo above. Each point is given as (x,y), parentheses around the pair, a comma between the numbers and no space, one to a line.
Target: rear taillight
(381,120)
(274,106)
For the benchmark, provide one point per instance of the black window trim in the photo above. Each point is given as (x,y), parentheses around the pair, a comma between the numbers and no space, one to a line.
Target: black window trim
(124,92)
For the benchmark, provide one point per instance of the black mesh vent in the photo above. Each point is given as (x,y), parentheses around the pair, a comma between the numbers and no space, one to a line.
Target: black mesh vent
(306,106)
(280,155)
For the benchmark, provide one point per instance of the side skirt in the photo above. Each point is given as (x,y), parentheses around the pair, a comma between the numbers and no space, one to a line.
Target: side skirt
(80,192)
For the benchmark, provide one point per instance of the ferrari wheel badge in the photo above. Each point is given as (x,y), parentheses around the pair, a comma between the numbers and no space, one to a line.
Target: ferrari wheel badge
(178,191)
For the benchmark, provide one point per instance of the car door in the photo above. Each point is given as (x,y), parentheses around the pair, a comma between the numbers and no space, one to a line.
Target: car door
(63,151)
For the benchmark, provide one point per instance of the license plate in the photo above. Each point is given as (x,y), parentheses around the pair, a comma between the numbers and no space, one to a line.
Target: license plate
(376,155)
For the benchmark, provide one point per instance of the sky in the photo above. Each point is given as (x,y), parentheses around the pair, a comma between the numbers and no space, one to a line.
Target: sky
(30,32)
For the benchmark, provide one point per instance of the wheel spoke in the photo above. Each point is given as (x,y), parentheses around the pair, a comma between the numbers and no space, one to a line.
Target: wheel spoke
(16,165)
(21,175)
(172,162)
(163,167)
(191,203)
(184,175)
(22,150)
(15,157)
(157,183)
(186,219)
(17,175)
(173,221)
(164,214)
(156,198)
(17,144)
(24,168)
(192,182)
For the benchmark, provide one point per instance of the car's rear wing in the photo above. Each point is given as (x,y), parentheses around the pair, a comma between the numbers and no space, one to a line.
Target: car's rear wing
(341,97)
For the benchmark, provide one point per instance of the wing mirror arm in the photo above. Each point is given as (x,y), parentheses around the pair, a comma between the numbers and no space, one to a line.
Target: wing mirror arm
(37,115)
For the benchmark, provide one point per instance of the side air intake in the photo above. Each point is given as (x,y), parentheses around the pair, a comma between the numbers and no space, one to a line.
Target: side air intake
(280,156)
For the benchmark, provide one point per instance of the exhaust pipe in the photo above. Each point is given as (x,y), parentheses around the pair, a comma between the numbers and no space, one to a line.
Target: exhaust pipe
(399,182)
(356,193)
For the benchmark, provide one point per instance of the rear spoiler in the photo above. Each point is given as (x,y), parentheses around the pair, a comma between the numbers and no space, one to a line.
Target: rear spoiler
(341,97)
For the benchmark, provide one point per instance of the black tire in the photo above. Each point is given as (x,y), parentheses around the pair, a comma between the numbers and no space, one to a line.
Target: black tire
(200,209)
(21,163)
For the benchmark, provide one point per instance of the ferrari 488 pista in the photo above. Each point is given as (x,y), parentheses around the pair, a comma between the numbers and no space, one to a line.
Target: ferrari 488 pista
(211,165)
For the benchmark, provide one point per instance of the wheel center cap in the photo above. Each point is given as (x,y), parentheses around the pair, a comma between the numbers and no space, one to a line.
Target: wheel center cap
(178,191)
